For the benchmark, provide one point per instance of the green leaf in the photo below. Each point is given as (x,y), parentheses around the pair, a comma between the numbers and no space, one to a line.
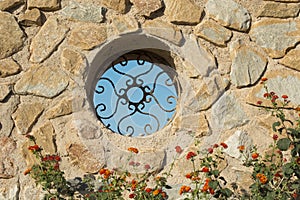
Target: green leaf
(275,124)
(283,144)
(227,192)
(213,184)
(288,169)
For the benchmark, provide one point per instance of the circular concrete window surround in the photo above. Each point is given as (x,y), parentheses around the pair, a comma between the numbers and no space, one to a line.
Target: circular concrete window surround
(158,149)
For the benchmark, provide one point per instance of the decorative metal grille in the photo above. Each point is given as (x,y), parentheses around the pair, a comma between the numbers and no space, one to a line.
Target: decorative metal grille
(136,95)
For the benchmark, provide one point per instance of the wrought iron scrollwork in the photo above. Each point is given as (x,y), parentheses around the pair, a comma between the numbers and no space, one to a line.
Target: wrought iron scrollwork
(136,96)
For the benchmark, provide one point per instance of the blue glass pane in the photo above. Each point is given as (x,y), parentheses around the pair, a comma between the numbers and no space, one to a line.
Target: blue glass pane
(135,97)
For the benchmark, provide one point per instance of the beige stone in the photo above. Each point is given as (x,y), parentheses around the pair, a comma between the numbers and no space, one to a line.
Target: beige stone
(292,59)
(88,36)
(183,11)
(45,81)
(163,30)
(275,36)
(64,107)
(146,7)
(72,61)
(6,109)
(285,1)
(117,5)
(247,66)
(45,138)
(47,39)
(8,164)
(122,24)
(11,36)
(82,158)
(4,91)
(230,14)
(49,5)
(26,115)
(279,10)
(9,4)
(213,32)
(8,67)
(31,17)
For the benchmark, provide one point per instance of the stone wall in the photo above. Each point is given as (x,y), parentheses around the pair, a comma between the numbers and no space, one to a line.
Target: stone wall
(51,50)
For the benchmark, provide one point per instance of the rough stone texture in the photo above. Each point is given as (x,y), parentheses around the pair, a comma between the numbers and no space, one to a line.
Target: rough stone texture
(31,17)
(26,115)
(117,5)
(9,28)
(8,67)
(6,109)
(83,158)
(227,113)
(213,32)
(9,189)
(146,7)
(83,12)
(247,66)
(4,91)
(9,4)
(72,61)
(88,36)
(280,10)
(49,5)
(292,59)
(45,81)
(45,137)
(275,36)
(64,107)
(163,30)
(8,148)
(124,24)
(234,141)
(281,82)
(47,39)
(286,1)
(240,20)
(182,11)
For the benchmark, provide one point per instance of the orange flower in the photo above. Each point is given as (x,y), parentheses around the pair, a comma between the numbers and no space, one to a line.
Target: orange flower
(225,146)
(254,156)
(264,79)
(189,176)
(241,148)
(190,155)
(262,178)
(27,171)
(132,149)
(184,189)
(156,192)
(34,148)
(102,171)
(205,169)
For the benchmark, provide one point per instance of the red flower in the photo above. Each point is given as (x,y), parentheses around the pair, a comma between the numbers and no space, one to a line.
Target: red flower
(267,95)
(275,137)
(131,163)
(225,146)
(147,167)
(190,155)
(215,146)
(131,196)
(285,96)
(241,148)
(295,195)
(133,149)
(34,148)
(189,176)
(178,149)
(148,190)
(259,102)
(57,158)
(210,150)
(56,166)
(205,169)
(254,156)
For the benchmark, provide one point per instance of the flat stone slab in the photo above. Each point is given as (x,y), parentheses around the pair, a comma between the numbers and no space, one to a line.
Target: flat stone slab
(9,4)
(146,7)
(275,36)
(213,32)
(11,36)
(247,66)
(182,11)
(42,81)
(49,5)
(83,12)
(229,14)
(117,5)
(8,67)
(163,30)
(123,24)
(88,36)
(31,17)
(47,39)
(292,59)
(280,10)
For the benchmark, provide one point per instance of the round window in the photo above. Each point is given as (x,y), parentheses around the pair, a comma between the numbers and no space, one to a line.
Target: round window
(137,94)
